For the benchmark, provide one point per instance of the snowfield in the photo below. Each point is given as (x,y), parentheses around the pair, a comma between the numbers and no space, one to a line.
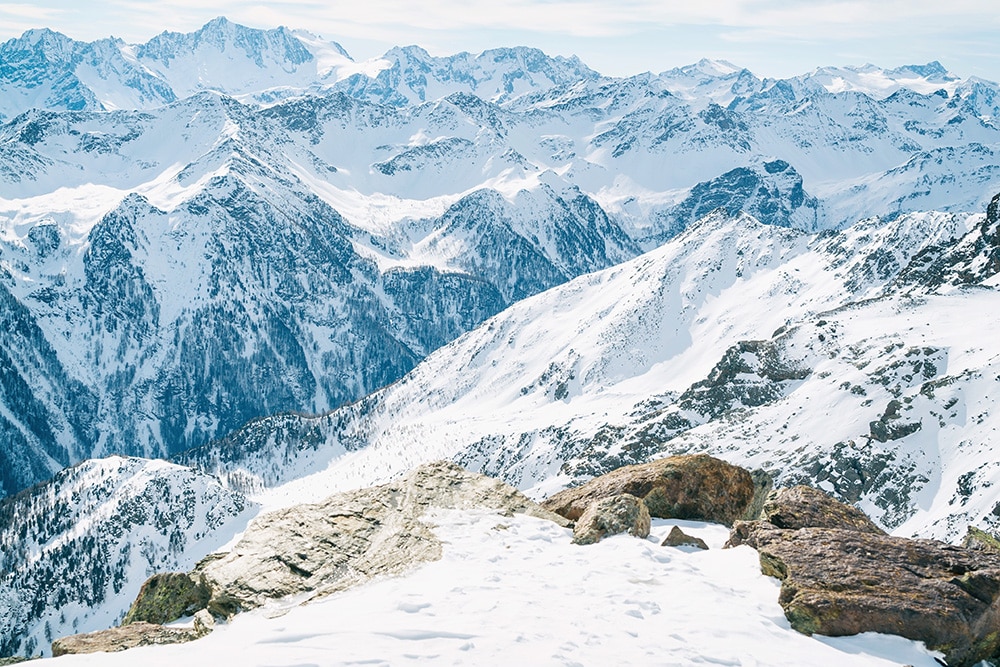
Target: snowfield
(515,591)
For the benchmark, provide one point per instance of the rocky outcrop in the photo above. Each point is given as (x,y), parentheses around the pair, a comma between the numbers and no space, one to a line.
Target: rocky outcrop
(973,259)
(806,507)
(678,538)
(313,550)
(695,486)
(132,635)
(168,596)
(613,515)
(850,578)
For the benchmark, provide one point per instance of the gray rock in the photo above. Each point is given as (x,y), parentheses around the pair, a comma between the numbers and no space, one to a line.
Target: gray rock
(763,484)
(318,549)
(168,596)
(678,538)
(204,623)
(613,515)
(122,638)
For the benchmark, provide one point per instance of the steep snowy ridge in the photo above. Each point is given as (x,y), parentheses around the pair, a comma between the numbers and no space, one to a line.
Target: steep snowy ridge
(233,59)
(76,548)
(414,76)
(878,82)
(47,70)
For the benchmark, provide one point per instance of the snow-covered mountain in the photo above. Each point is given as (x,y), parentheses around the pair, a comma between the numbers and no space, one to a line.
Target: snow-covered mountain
(833,359)
(210,280)
(827,358)
(48,70)
(179,270)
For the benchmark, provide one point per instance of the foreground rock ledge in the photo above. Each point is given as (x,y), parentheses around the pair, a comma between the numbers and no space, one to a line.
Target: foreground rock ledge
(693,486)
(847,580)
(306,551)
(350,537)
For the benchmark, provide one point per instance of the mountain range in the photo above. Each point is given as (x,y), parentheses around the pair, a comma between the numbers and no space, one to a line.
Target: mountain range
(290,273)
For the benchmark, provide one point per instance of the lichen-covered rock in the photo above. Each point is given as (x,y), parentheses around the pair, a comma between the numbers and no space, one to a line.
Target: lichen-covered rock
(694,486)
(121,638)
(612,516)
(806,507)
(980,540)
(168,596)
(678,538)
(312,550)
(844,581)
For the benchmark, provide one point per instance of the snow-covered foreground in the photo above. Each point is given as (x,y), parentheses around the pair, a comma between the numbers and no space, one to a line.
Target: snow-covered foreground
(515,591)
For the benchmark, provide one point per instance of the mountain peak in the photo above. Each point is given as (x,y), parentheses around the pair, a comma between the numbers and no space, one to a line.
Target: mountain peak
(50,40)
(930,70)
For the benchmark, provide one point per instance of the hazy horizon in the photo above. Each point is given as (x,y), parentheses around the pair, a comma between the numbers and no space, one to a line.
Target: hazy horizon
(773,38)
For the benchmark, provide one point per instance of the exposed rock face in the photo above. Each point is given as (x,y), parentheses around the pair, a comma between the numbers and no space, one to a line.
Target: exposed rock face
(804,506)
(975,258)
(697,487)
(351,537)
(763,484)
(168,596)
(125,637)
(678,538)
(613,515)
(847,577)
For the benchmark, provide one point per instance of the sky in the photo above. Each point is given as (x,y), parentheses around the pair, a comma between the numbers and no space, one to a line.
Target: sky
(775,38)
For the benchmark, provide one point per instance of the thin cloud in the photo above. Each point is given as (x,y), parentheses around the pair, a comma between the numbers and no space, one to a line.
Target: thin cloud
(25,11)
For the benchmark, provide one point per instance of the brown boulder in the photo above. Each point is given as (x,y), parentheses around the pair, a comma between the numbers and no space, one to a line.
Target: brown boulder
(694,486)
(125,637)
(838,581)
(612,516)
(678,538)
(806,507)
